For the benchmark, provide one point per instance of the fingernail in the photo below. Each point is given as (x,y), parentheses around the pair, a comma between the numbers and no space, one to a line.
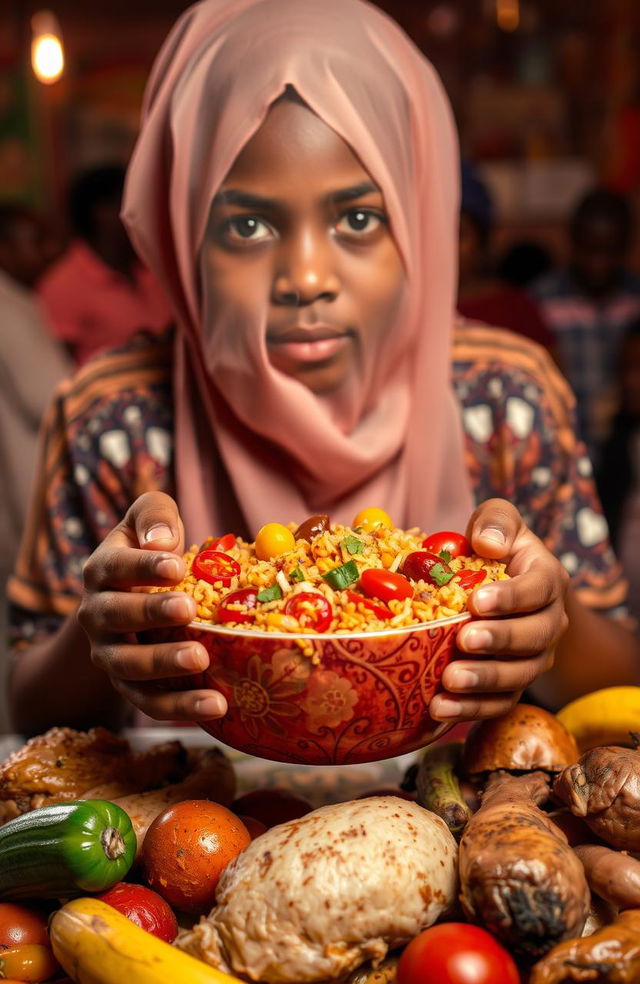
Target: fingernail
(494,534)
(192,659)
(212,707)
(169,568)
(448,708)
(485,600)
(478,639)
(177,608)
(464,680)
(158,532)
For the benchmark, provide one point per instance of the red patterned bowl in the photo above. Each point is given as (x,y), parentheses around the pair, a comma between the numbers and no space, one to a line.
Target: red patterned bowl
(335,698)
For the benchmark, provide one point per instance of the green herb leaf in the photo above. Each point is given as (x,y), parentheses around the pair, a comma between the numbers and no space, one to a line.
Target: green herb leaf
(341,577)
(445,556)
(439,575)
(296,574)
(272,593)
(352,544)
(356,529)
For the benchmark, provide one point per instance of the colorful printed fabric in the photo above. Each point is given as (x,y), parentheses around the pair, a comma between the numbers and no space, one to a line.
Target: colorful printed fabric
(109,438)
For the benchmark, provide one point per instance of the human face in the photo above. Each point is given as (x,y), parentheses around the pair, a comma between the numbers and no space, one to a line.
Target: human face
(299,232)
(598,254)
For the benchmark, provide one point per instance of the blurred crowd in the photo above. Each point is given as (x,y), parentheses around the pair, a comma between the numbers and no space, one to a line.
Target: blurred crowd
(63,301)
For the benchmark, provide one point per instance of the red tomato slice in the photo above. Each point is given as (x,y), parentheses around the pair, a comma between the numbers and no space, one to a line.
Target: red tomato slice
(225,542)
(454,543)
(469,579)
(385,585)
(417,565)
(311,609)
(380,611)
(244,596)
(215,566)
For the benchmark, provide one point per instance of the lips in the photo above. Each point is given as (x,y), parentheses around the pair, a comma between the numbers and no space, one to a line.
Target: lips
(309,343)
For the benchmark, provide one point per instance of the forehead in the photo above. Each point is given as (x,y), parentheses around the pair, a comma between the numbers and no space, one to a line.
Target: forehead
(294,147)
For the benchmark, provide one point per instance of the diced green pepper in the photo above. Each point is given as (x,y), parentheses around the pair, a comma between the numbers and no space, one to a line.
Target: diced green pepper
(272,593)
(341,577)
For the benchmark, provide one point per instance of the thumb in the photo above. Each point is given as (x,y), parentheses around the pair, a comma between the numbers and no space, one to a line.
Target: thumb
(155,518)
(493,528)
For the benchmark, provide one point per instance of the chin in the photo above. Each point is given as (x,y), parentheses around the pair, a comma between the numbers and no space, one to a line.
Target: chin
(321,378)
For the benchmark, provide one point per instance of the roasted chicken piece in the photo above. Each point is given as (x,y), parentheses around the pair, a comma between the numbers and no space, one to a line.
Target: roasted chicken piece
(315,898)
(64,764)
(610,956)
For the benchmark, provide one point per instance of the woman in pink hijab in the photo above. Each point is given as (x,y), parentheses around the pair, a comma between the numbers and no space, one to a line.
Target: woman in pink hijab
(294,187)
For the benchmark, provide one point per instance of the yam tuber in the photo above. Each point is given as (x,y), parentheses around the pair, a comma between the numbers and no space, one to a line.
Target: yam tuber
(603,786)
(610,956)
(519,876)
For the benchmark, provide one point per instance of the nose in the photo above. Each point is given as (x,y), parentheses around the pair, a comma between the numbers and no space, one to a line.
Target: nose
(306,270)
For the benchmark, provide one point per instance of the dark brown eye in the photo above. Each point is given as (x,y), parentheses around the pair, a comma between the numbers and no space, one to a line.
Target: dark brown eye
(359,220)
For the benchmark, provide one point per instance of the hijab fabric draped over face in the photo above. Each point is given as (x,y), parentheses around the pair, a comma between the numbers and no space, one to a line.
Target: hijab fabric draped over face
(254,445)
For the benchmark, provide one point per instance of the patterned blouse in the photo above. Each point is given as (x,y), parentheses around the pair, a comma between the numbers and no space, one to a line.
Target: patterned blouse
(108,437)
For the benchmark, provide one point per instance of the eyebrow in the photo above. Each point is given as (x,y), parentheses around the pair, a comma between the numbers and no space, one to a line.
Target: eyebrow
(233,196)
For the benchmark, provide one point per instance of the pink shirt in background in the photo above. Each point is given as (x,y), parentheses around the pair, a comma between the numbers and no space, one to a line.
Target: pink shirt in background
(90,306)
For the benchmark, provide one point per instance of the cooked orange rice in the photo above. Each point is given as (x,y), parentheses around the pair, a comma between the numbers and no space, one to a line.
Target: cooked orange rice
(308,561)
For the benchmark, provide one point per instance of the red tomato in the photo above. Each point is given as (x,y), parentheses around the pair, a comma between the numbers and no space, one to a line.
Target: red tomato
(271,806)
(385,585)
(417,565)
(31,962)
(454,543)
(311,609)
(244,596)
(145,908)
(470,579)
(380,611)
(21,924)
(223,542)
(456,953)
(214,566)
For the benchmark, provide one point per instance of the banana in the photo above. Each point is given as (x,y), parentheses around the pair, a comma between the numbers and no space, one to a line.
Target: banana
(97,945)
(604,717)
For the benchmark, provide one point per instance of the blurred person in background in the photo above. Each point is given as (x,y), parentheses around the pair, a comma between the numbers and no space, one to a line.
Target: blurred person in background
(98,294)
(589,304)
(482,295)
(618,473)
(31,363)
(524,261)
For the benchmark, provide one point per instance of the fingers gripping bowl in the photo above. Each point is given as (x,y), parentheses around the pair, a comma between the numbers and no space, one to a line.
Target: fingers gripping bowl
(328,642)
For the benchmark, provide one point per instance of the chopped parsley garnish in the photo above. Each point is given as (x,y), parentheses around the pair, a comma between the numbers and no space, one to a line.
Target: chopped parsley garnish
(445,556)
(439,575)
(352,544)
(296,574)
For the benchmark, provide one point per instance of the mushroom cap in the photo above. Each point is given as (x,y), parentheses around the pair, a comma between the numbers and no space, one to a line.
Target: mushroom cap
(525,738)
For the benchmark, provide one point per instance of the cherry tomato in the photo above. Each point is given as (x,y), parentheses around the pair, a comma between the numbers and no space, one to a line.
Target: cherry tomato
(244,596)
(271,806)
(469,579)
(380,611)
(311,609)
(372,518)
(215,566)
(20,924)
(145,908)
(272,540)
(385,585)
(417,565)
(454,543)
(456,953)
(225,542)
(31,962)
(186,849)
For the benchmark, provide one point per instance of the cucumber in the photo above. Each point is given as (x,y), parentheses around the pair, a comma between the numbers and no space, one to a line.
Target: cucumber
(65,850)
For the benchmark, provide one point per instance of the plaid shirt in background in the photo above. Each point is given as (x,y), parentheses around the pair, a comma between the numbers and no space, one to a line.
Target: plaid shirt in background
(588,337)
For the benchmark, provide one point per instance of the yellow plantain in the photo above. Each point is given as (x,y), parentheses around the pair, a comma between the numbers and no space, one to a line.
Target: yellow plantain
(97,945)
(603,717)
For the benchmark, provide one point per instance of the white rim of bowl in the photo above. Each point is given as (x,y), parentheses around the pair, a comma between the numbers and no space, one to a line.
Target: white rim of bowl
(259,634)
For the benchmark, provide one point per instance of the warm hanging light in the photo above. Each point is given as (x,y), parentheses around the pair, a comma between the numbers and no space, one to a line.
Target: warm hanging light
(47,53)
(508,14)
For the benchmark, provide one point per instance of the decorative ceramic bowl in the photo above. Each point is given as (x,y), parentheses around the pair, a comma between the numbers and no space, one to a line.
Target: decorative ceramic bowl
(330,698)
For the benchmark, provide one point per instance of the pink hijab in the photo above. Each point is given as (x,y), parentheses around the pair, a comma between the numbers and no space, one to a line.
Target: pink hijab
(254,445)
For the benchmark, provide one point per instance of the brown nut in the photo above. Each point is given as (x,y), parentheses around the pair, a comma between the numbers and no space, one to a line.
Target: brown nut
(311,527)
(524,739)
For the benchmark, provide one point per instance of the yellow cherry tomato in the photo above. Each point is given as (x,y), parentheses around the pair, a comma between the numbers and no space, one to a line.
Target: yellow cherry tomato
(372,518)
(272,540)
